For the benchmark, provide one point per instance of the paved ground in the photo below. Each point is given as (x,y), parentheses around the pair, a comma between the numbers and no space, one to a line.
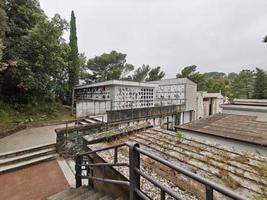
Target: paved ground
(29,138)
(33,183)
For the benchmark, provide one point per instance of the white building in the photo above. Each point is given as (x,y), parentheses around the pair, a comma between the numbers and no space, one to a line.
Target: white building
(161,103)
(176,92)
(98,98)
(208,104)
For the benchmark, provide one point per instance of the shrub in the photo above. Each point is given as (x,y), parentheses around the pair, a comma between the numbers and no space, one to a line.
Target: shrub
(178,135)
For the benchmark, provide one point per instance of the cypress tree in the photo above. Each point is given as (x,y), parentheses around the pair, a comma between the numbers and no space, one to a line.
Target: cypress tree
(74,54)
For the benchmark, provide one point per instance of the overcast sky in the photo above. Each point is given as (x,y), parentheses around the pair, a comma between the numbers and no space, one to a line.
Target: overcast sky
(215,35)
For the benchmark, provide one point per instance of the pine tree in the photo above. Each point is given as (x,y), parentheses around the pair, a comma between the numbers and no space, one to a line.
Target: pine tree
(260,86)
(74,54)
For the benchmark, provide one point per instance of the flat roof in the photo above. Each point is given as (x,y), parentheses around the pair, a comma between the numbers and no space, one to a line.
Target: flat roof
(238,127)
(211,95)
(173,81)
(118,82)
(255,108)
(250,102)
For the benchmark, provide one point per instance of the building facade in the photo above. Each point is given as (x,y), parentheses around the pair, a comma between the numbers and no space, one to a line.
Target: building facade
(98,98)
(209,104)
(161,103)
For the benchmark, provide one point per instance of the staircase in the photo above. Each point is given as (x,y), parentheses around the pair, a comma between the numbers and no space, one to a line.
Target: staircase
(90,120)
(81,193)
(10,161)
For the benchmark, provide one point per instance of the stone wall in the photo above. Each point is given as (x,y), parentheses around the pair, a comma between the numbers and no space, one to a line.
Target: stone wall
(70,144)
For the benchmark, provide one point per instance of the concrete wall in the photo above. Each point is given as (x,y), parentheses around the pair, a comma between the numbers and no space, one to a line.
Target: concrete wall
(165,122)
(190,96)
(173,94)
(97,99)
(91,107)
(126,97)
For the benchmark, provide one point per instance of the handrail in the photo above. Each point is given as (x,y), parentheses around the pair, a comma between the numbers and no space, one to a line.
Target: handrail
(134,173)
(196,177)
(107,180)
(106,164)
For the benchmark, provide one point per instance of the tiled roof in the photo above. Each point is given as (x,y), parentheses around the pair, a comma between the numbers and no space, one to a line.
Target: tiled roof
(238,127)
(240,171)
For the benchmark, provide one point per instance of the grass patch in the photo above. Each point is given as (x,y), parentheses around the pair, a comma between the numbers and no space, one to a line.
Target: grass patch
(228,180)
(178,135)
(263,171)
(15,116)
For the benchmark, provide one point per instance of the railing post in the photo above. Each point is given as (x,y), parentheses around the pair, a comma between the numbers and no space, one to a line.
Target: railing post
(209,193)
(115,155)
(78,171)
(162,195)
(134,161)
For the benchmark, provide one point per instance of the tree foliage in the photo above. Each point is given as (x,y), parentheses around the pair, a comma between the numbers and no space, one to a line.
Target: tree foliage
(260,86)
(146,73)
(141,73)
(36,45)
(155,74)
(242,85)
(108,66)
(3,27)
(74,67)
(36,63)
(245,84)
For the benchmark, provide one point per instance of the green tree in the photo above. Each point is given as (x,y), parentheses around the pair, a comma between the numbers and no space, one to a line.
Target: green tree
(187,72)
(36,45)
(74,67)
(155,74)
(242,85)
(191,73)
(260,85)
(108,66)
(3,26)
(141,73)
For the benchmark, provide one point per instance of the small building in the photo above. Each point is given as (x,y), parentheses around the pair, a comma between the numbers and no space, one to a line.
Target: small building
(161,103)
(249,107)
(176,92)
(208,104)
(98,98)
(237,132)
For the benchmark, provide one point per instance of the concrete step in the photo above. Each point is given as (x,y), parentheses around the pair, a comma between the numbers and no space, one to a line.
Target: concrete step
(83,123)
(106,197)
(86,195)
(96,119)
(90,121)
(81,193)
(24,163)
(27,155)
(62,194)
(26,150)
(76,193)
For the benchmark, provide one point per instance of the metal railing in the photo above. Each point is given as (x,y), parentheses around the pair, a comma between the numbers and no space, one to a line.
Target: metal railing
(135,173)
